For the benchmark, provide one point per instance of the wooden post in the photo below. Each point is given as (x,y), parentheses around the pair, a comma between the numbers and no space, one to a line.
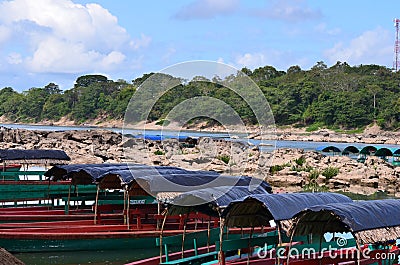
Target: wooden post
(161,236)
(221,256)
(96,203)
(184,234)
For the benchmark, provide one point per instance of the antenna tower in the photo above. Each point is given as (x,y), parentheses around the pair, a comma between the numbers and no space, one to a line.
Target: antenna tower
(396,63)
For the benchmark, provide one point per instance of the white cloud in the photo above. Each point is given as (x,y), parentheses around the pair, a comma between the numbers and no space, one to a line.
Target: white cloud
(166,58)
(14,58)
(142,42)
(59,36)
(280,60)
(323,28)
(371,47)
(289,10)
(5,33)
(206,9)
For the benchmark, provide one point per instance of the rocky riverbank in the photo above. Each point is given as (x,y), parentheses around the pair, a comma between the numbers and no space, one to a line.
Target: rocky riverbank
(285,169)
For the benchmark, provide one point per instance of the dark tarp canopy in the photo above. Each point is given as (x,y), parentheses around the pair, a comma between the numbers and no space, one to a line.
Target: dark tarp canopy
(153,179)
(258,210)
(170,179)
(330,148)
(396,153)
(369,221)
(350,149)
(368,150)
(210,200)
(88,173)
(33,156)
(384,152)
(63,172)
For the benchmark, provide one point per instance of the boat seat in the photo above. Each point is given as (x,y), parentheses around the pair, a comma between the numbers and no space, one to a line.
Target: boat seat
(198,258)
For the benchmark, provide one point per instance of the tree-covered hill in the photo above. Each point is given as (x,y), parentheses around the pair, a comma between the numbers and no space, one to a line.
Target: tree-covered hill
(340,96)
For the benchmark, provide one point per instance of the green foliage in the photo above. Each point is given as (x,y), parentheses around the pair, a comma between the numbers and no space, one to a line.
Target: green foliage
(315,187)
(159,153)
(224,158)
(275,168)
(330,172)
(314,174)
(163,122)
(300,161)
(339,97)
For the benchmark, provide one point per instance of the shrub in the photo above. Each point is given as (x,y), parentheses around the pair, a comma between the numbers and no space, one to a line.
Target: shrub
(275,168)
(158,152)
(330,172)
(313,175)
(224,158)
(300,161)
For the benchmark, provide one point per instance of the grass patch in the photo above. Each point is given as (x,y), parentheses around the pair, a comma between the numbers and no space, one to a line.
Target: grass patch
(224,158)
(300,161)
(330,172)
(275,168)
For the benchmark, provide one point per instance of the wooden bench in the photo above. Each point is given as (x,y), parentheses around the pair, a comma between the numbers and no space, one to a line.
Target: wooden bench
(16,175)
(191,240)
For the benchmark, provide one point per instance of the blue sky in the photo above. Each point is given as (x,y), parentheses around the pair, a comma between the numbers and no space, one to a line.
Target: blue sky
(45,41)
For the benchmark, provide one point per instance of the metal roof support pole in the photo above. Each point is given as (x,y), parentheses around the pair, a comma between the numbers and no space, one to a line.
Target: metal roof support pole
(183,236)
(69,197)
(124,211)
(158,213)
(208,234)
(127,211)
(96,203)
(161,236)
(221,256)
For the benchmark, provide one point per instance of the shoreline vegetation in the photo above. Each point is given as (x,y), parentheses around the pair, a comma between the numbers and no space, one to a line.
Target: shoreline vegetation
(286,169)
(340,97)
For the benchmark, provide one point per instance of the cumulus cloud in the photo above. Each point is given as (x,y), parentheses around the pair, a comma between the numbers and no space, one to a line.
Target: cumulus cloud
(206,9)
(281,60)
(289,10)
(373,46)
(141,42)
(59,36)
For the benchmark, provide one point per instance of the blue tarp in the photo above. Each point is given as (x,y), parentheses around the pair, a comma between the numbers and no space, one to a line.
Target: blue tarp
(350,149)
(330,148)
(154,179)
(383,152)
(171,179)
(210,200)
(258,210)
(368,150)
(35,154)
(354,217)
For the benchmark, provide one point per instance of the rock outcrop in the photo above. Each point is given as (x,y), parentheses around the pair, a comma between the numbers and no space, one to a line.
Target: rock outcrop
(286,169)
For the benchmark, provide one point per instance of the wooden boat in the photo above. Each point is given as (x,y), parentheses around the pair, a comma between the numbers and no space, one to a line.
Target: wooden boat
(11,167)
(253,211)
(129,218)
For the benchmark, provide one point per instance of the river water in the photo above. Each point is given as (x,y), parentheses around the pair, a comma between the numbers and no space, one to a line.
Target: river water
(268,145)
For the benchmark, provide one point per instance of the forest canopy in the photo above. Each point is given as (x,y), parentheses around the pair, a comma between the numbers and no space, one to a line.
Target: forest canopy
(340,96)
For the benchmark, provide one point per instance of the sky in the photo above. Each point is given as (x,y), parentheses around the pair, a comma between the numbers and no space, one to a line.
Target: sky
(44,41)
